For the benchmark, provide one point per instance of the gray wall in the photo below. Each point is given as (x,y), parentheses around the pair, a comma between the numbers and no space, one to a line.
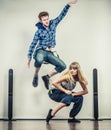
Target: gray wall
(83,36)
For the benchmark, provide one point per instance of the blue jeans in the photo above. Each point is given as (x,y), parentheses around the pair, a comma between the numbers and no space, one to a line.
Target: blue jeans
(41,55)
(60,96)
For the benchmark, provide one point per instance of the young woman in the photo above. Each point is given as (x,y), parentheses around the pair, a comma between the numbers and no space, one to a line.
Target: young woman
(63,93)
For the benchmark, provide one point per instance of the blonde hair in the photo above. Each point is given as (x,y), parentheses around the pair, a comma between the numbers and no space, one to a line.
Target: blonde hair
(80,75)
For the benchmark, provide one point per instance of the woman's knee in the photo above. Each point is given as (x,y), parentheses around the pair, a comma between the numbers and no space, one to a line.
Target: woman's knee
(67,100)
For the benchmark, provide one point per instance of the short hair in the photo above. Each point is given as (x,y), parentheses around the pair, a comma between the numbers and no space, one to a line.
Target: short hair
(41,14)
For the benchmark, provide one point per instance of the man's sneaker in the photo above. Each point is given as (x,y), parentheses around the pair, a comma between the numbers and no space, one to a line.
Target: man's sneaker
(46,81)
(49,116)
(35,81)
(74,120)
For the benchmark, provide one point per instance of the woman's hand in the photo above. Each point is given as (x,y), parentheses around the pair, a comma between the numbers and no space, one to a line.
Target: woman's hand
(73,93)
(68,92)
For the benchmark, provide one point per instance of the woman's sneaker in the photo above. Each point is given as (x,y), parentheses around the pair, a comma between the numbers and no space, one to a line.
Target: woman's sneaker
(49,116)
(74,120)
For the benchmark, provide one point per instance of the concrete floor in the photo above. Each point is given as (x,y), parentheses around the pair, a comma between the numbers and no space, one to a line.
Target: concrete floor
(55,125)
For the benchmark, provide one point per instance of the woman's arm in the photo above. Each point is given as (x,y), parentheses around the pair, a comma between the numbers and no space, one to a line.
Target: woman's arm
(83,92)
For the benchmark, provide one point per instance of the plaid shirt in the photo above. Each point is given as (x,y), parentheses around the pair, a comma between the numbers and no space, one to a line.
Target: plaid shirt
(46,37)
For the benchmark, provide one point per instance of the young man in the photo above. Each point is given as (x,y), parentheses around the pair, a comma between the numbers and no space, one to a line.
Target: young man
(44,42)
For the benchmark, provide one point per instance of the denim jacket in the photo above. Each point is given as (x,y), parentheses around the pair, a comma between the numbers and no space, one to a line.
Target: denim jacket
(46,37)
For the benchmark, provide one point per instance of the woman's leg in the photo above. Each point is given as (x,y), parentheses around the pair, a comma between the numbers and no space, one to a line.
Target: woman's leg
(57,108)
(78,101)
(52,113)
(58,96)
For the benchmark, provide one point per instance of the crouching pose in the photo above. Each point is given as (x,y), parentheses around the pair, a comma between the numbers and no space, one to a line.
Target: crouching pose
(62,91)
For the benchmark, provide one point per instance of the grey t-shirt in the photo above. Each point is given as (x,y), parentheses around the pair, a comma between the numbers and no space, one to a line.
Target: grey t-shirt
(69,84)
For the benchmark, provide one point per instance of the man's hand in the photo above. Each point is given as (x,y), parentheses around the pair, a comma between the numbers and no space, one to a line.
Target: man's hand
(72,2)
(29,60)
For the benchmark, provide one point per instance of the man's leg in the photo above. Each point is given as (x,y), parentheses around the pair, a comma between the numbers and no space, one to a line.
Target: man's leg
(59,67)
(35,78)
(39,58)
(46,78)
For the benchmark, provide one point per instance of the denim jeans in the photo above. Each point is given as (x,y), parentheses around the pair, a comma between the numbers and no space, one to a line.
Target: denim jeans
(60,96)
(41,55)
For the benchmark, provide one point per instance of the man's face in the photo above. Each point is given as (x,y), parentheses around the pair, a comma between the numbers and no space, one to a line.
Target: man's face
(45,21)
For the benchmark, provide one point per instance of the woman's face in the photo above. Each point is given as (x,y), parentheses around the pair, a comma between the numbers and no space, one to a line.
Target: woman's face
(73,70)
